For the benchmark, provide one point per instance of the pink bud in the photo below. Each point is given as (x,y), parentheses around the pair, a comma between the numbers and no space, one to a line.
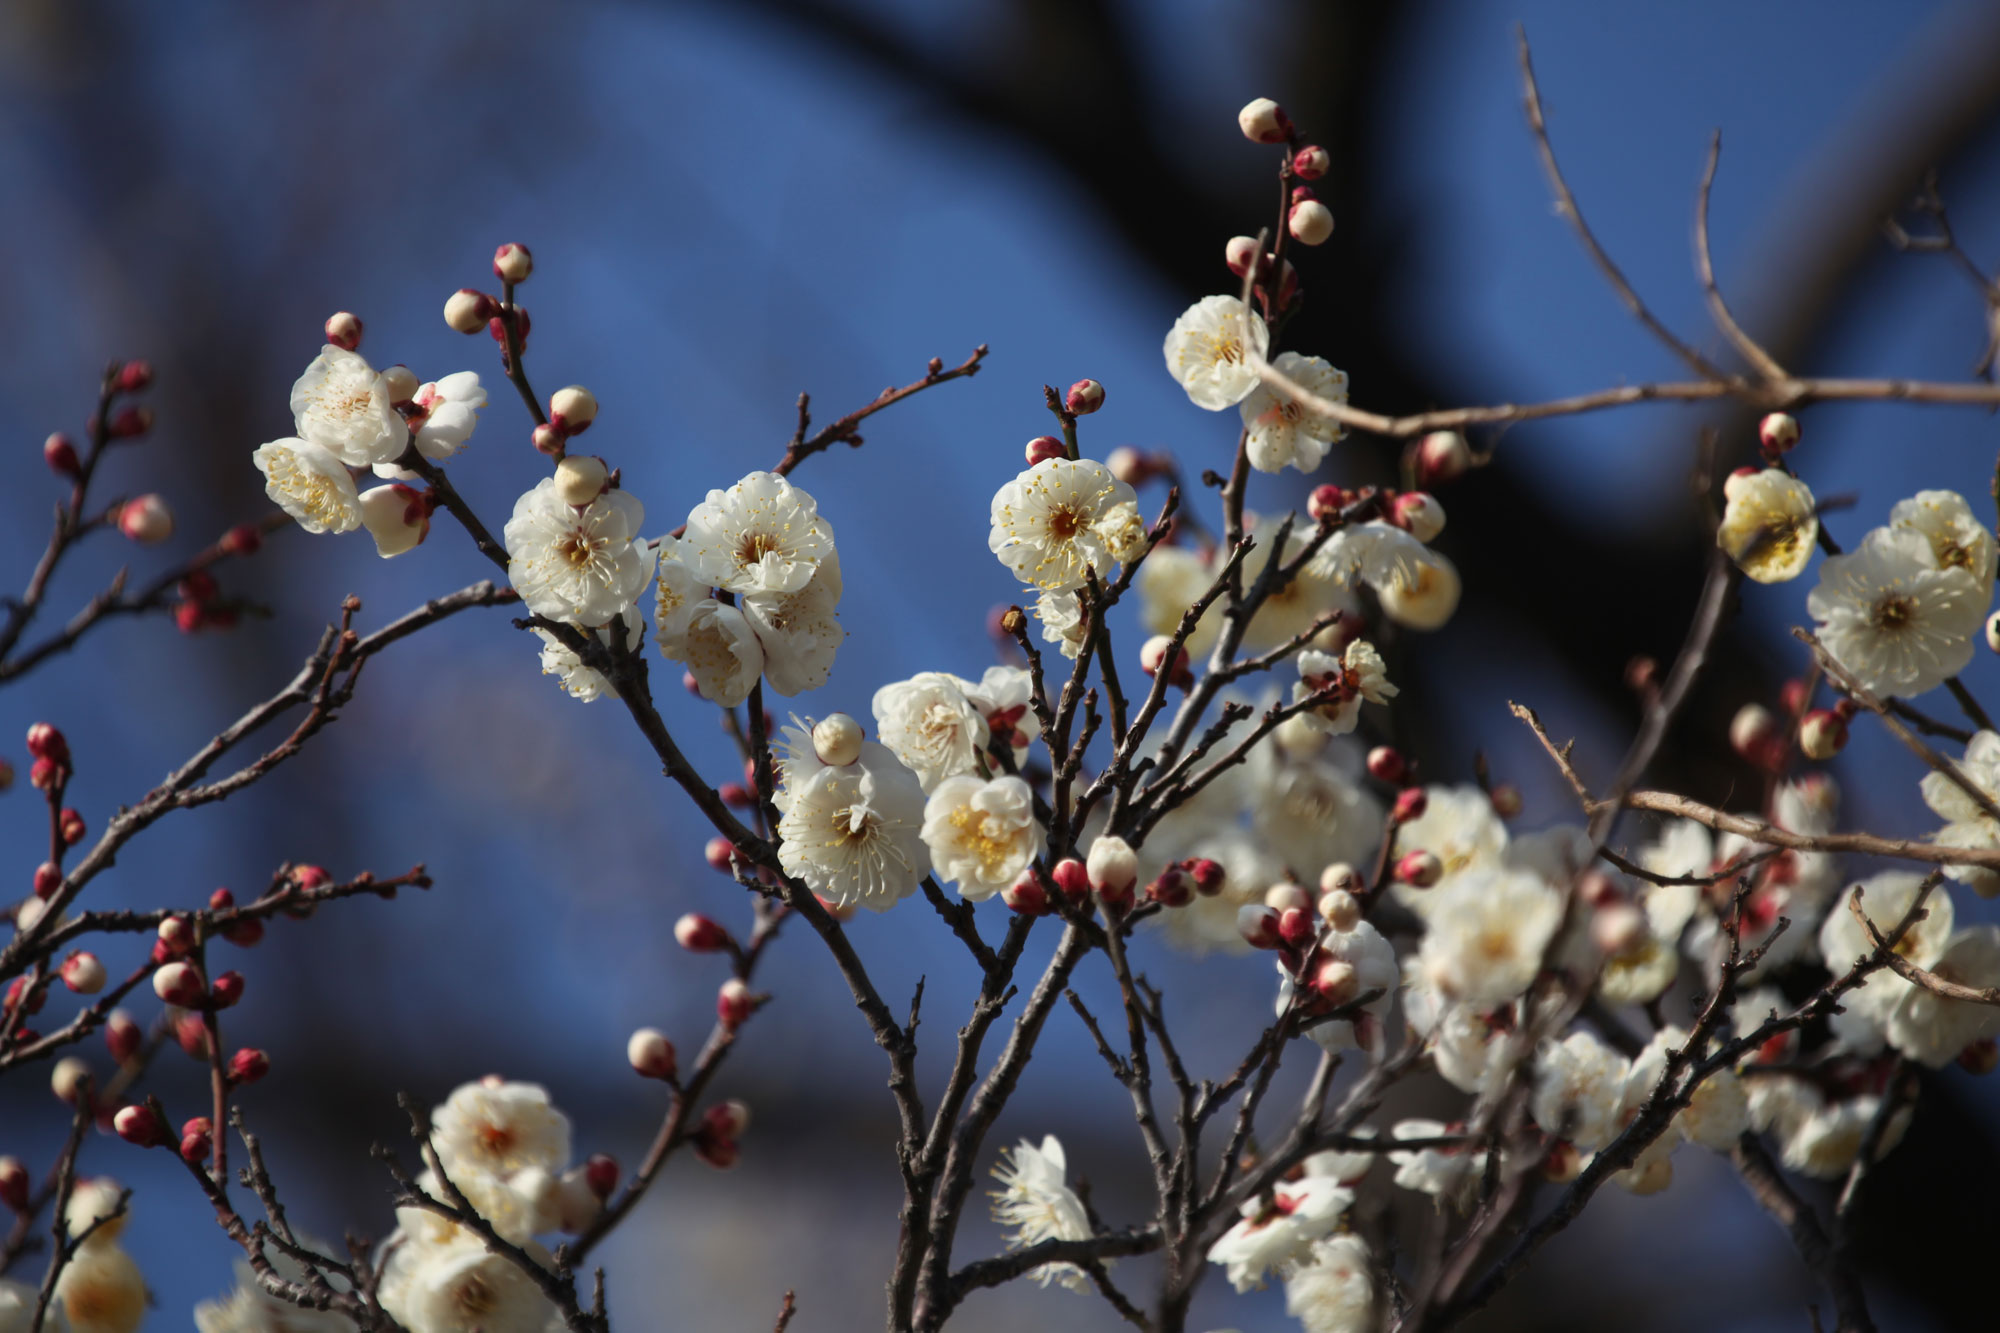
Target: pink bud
(720,853)
(46,742)
(192,1035)
(1072,878)
(699,934)
(343,330)
(13,1184)
(736,795)
(1410,804)
(15,989)
(122,1036)
(734,1003)
(70,824)
(1311,162)
(1084,397)
(1822,734)
(468,310)
(1778,432)
(1310,222)
(1264,121)
(226,990)
(197,1139)
(512,263)
(1326,502)
(729,1120)
(1336,981)
(248,1065)
(146,520)
(129,422)
(243,539)
(1420,514)
(48,878)
(1297,927)
(1285,896)
(179,984)
(651,1054)
(1044,447)
(1385,764)
(1172,887)
(600,1173)
(1026,895)
(1207,873)
(82,973)
(1419,869)
(721,1154)
(1506,800)
(138,1124)
(548,440)
(177,935)
(1442,456)
(1258,925)
(60,455)
(1154,652)
(1754,734)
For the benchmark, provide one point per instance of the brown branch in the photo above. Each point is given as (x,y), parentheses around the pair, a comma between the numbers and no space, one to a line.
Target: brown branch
(843,430)
(1910,972)
(1760,1174)
(1760,360)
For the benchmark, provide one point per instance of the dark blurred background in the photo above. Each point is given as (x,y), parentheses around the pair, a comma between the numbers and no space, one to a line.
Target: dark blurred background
(729,203)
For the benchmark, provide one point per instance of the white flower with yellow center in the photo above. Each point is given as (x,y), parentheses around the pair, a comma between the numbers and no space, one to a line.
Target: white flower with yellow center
(1863,1019)
(495,1128)
(1824,1141)
(583,564)
(1892,618)
(18,1301)
(1458,827)
(1206,352)
(1966,824)
(982,833)
(1579,1090)
(1488,932)
(853,832)
(1447,1174)
(1932,1029)
(1769,525)
(799,632)
(1377,553)
(1036,1201)
(1046,523)
(1302,601)
(1310,809)
(1004,697)
(581,681)
(1282,432)
(1425,600)
(1333,1291)
(1957,539)
(101,1291)
(251,1309)
(1277,1233)
(929,724)
(343,406)
(1356,676)
(460,1286)
(761,535)
(443,416)
(310,484)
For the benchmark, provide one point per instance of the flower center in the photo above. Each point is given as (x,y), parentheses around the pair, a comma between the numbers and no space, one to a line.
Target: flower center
(475,1297)
(1893,613)
(1223,348)
(973,829)
(1065,523)
(754,547)
(579,548)
(496,1139)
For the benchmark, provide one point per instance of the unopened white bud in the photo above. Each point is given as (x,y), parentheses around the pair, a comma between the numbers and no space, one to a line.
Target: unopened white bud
(1442,456)
(1240,254)
(1128,465)
(837,739)
(1258,925)
(1310,222)
(146,520)
(1421,514)
(90,1201)
(469,311)
(1419,869)
(1112,864)
(1340,909)
(1752,730)
(178,983)
(513,263)
(1336,981)
(1993,631)
(69,1077)
(1340,877)
(571,410)
(82,973)
(580,479)
(651,1054)
(1264,121)
(1618,928)
(400,383)
(176,934)
(396,516)
(1778,432)
(1286,896)
(343,330)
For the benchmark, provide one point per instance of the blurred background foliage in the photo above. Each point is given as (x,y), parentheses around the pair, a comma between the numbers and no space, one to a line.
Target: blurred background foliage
(732,202)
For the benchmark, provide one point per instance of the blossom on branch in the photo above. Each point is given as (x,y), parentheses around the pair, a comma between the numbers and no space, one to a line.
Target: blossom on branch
(585,564)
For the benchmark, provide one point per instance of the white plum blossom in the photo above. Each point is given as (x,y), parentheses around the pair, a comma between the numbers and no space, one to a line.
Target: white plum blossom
(1966,824)
(398,517)
(494,1127)
(251,1309)
(1063,621)
(101,1290)
(1862,1022)
(1447,1174)
(1579,1089)
(799,632)
(1892,617)
(343,406)
(1310,807)
(1460,828)
(582,564)
(1469,1048)
(1769,525)
(1488,933)
(1282,432)
(1061,520)
(1373,959)
(447,411)
(852,832)
(460,1286)
(1333,1290)
(1171,580)
(1302,601)
(1038,1203)
(1357,675)
(17,1309)
(982,833)
(1821,1139)
(1206,354)
(1377,553)
(1957,539)
(722,652)
(308,482)
(1933,1029)
(582,681)
(1277,1233)
(928,722)
(1004,696)
(761,535)
(1426,600)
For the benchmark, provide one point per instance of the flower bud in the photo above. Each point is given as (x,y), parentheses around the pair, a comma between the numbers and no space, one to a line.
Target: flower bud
(244,933)
(70,824)
(571,410)
(1980,1057)
(730,1119)
(1084,397)
(343,330)
(177,935)
(122,1036)
(837,739)
(1113,867)
(197,1140)
(1419,512)
(191,1034)
(1506,798)
(1617,929)
(13,1184)
(45,741)
(1207,874)
(1563,1164)
(1154,652)
(736,795)
(1442,456)
(1044,447)
(1755,735)
(60,455)
(1258,925)
(1336,981)
(721,853)
(82,973)
(146,520)
(580,479)
(138,1124)
(398,517)
(70,1079)
(1287,896)
(1311,162)
(1240,254)
(699,934)
(469,311)
(1778,432)
(651,1054)
(1385,764)
(1129,465)
(400,383)
(248,1065)
(548,440)
(1310,222)
(496,327)
(179,984)
(1264,121)
(1419,869)
(1822,734)
(226,990)
(1026,895)
(1993,631)
(1072,877)
(1172,887)
(1340,909)
(48,878)
(16,988)
(129,422)
(1297,927)
(1411,802)
(1326,502)
(513,263)
(734,1002)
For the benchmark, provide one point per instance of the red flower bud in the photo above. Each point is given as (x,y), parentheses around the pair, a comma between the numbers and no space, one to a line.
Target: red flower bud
(248,1065)
(1410,804)
(60,455)
(1385,764)
(700,934)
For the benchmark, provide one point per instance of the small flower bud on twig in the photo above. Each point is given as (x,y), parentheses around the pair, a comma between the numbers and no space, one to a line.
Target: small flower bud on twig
(69,1079)
(1385,764)
(651,1054)
(1264,121)
(138,1124)
(837,740)
(1777,433)
(122,1035)
(734,1002)
(1311,162)
(1411,802)
(1258,925)
(1419,869)
(1044,447)
(343,330)
(1340,909)
(1073,878)
(248,1065)
(700,934)
(60,455)
(82,973)
(512,263)
(468,311)
(1084,397)
(179,984)
(146,520)
(1310,222)
(13,1183)
(1442,456)
(571,410)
